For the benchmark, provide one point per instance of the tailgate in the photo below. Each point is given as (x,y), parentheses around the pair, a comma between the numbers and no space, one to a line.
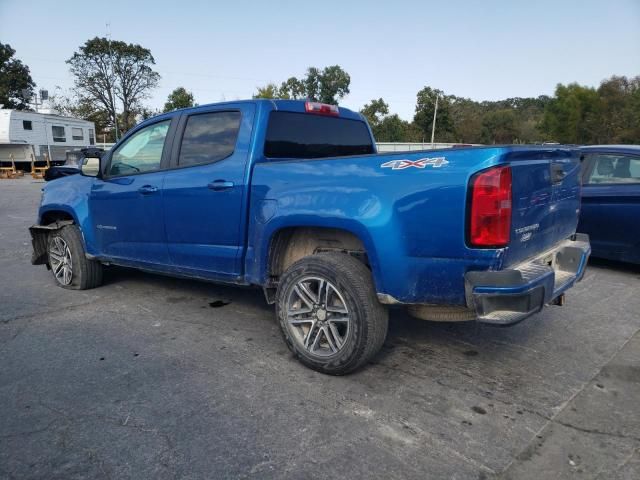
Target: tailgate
(546,200)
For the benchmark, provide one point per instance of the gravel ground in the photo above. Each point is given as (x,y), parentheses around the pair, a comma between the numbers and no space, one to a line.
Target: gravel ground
(153,377)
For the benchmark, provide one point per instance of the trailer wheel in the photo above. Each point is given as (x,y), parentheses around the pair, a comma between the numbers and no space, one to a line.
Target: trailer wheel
(69,265)
(329,315)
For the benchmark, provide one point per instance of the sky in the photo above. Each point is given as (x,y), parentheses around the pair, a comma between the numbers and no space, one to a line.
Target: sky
(484,50)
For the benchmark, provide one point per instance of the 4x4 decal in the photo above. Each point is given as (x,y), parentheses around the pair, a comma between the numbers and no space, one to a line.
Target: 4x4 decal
(435,162)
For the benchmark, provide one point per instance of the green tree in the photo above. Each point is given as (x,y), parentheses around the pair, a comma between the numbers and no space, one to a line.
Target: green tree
(268,91)
(423,118)
(466,117)
(374,111)
(71,106)
(393,129)
(16,85)
(385,127)
(328,85)
(572,116)
(179,98)
(109,74)
(292,89)
(499,127)
(620,110)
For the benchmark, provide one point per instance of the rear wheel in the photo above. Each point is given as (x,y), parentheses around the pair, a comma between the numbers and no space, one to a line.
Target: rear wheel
(329,314)
(69,264)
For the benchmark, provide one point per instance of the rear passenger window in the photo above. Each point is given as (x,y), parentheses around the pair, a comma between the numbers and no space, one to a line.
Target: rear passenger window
(610,169)
(209,137)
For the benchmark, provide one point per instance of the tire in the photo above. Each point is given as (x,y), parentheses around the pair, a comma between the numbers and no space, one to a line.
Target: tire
(78,273)
(312,320)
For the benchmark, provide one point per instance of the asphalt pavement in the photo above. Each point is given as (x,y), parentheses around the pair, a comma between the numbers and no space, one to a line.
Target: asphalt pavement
(149,377)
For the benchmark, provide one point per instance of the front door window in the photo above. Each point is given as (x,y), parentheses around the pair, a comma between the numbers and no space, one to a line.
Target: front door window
(142,152)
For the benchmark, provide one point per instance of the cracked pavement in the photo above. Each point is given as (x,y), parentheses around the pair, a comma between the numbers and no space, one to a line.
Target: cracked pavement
(154,377)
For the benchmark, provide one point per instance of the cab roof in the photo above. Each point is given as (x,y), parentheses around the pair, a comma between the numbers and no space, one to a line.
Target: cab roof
(297,106)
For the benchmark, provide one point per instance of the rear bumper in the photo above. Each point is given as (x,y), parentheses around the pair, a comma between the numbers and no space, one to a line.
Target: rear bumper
(508,296)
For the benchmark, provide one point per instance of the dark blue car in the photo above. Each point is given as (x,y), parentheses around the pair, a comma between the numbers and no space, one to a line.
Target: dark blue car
(611,201)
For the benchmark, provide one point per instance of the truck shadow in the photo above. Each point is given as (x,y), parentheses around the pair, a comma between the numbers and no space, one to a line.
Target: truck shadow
(410,341)
(175,290)
(415,344)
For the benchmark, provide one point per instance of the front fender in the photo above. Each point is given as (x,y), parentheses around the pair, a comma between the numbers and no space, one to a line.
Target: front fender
(70,195)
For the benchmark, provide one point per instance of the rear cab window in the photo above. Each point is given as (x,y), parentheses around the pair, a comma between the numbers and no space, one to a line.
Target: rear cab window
(305,135)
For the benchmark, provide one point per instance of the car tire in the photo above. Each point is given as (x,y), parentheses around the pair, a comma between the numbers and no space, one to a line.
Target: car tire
(66,256)
(337,329)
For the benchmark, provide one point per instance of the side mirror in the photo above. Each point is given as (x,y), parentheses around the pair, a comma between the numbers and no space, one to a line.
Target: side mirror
(90,167)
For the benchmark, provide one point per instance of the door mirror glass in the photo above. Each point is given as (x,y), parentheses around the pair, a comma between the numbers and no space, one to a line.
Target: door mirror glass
(90,167)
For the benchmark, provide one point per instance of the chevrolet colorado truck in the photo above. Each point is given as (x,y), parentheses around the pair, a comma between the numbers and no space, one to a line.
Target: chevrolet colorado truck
(292,196)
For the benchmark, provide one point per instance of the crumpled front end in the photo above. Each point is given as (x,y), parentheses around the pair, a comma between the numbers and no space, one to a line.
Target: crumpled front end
(39,238)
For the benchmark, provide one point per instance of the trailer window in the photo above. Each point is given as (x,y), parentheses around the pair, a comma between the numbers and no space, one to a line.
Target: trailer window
(92,137)
(26,125)
(304,135)
(58,134)
(76,133)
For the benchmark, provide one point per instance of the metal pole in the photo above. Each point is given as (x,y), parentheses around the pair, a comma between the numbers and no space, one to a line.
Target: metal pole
(111,92)
(433,127)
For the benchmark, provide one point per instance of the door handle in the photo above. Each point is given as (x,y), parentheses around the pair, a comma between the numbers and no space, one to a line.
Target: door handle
(220,185)
(147,189)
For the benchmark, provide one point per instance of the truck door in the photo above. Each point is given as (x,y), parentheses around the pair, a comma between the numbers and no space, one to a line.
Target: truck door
(126,205)
(611,205)
(205,191)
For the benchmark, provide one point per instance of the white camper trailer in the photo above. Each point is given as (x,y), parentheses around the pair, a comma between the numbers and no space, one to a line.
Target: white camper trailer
(23,133)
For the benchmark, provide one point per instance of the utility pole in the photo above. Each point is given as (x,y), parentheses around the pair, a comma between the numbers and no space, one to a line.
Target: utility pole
(111,91)
(433,126)
(35,100)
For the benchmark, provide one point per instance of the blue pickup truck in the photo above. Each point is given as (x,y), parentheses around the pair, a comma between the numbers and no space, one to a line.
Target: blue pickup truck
(292,196)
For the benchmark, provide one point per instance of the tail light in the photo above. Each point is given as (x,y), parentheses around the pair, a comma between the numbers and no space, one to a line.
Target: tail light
(490,209)
(321,108)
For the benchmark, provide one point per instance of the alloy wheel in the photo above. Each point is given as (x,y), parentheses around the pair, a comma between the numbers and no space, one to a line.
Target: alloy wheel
(61,260)
(317,316)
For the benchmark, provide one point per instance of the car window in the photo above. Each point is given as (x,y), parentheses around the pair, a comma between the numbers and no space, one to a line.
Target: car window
(209,137)
(303,135)
(142,152)
(613,169)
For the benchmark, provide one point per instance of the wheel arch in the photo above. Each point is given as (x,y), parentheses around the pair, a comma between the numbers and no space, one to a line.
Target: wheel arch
(52,215)
(290,243)
(50,219)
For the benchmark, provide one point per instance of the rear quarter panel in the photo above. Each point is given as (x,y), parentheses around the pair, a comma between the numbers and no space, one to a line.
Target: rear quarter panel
(411,220)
